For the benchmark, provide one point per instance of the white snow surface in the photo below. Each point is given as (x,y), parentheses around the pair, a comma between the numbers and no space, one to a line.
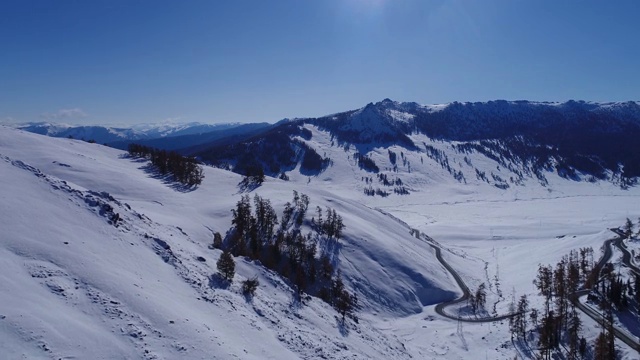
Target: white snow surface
(74,286)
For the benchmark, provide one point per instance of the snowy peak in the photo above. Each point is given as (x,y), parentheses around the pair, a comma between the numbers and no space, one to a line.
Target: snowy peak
(369,122)
(382,122)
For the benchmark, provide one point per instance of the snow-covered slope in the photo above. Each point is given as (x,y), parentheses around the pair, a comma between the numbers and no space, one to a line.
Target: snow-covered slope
(576,140)
(75,285)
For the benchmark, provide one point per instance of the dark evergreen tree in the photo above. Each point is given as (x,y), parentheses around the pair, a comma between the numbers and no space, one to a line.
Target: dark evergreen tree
(600,347)
(217,240)
(628,228)
(473,304)
(242,219)
(533,315)
(573,332)
(544,284)
(481,296)
(582,350)
(521,316)
(226,266)
(249,286)
(560,290)
(546,340)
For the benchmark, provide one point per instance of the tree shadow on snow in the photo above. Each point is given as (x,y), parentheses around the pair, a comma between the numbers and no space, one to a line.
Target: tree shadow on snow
(330,247)
(153,173)
(166,179)
(133,159)
(216,281)
(524,348)
(343,326)
(296,302)
(246,186)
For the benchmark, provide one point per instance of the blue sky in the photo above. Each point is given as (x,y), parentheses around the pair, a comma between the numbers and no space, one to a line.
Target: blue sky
(118,62)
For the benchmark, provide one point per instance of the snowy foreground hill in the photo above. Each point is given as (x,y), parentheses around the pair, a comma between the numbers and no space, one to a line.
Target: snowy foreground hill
(75,286)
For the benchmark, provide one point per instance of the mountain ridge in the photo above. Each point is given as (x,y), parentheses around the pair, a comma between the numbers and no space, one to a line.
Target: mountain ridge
(576,139)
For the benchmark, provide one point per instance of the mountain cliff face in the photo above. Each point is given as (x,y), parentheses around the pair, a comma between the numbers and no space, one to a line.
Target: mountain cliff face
(576,140)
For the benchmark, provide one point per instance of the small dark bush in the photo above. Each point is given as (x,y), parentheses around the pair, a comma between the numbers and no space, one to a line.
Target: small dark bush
(249,286)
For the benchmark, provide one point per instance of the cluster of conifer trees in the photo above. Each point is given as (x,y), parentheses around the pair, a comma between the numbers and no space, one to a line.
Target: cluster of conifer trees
(561,321)
(558,323)
(478,299)
(281,246)
(366,163)
(616,292)
(185,170)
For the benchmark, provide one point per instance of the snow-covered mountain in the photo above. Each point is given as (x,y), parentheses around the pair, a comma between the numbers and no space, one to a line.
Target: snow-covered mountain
(578,141)
(497,187)
(107,135)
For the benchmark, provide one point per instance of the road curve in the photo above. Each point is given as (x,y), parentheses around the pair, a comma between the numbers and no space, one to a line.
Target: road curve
(465,295)
(630,340)
(626,255)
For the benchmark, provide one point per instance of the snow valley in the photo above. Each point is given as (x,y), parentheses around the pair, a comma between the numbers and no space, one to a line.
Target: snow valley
(358,231)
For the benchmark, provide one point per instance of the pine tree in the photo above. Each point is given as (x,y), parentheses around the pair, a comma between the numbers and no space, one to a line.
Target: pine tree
(319,222)
(473,304)
(226,266)
(546,341)
(345,303)
(301,205)
(582,349)
(573,331)
(249,286)
(559,287)
(513,321)
(544,284)
(326,268)
(481,296)
(605,342)
(600,351)
(217,240)
(628,228)
(243,221)
(533,315)
(521,317)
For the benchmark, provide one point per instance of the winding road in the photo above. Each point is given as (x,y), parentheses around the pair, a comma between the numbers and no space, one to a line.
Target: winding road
(628,339)
(440,308)
(626,255)
(625,337)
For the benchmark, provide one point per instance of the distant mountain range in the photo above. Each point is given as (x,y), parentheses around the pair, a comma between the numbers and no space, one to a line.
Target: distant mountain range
(165,136)
(577,140)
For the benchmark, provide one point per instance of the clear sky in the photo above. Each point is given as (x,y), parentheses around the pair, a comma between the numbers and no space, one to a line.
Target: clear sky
(132,61)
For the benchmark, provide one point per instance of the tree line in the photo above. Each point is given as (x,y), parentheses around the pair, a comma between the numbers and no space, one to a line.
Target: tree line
(280,246)
(558,323)
(184,170)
